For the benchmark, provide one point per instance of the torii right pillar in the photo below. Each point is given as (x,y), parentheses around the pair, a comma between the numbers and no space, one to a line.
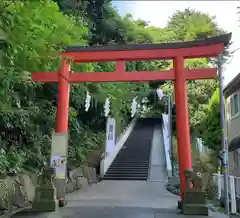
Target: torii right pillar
(182,121)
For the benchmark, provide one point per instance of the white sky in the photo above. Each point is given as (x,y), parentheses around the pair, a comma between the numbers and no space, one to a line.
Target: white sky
(158,13)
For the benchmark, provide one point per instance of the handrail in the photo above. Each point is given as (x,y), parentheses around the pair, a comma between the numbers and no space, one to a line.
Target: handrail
(165,130)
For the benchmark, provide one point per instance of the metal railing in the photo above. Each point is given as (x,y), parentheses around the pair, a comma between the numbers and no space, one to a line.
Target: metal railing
(167,149)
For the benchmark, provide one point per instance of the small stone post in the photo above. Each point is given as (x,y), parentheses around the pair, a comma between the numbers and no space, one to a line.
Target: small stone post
(45,193)
(194,197)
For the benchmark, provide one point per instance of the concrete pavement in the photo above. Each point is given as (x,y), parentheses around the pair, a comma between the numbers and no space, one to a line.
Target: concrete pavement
(125,199)
(157,166)
(114,212)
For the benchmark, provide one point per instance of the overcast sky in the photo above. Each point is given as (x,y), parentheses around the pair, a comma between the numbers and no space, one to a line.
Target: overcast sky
(158,13)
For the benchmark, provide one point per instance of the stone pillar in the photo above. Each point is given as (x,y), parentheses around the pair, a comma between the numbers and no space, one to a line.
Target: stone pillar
(110,135)
(59,154)
(45,193)
(194,196)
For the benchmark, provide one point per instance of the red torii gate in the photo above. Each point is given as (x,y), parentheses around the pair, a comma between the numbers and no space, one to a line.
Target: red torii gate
(178,51)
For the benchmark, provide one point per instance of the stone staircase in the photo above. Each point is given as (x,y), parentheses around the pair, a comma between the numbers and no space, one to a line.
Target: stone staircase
(132,162)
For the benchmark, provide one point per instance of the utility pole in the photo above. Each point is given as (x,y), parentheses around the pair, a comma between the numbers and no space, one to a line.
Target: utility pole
(223,139)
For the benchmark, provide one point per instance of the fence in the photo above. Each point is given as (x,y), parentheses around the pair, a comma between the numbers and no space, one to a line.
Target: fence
(233,182)
(234,190)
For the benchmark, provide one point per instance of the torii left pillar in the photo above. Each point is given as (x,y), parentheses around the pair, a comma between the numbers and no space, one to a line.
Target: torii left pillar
(63,98)
(60,138)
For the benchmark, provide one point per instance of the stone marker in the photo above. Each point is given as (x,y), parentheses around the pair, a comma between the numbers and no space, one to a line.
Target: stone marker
(45,193)
(59,152)
(81,183)
(194,197)
(90,174)
(19,196)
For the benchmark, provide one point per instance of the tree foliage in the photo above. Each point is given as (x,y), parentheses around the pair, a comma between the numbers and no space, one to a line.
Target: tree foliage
(193,25)
(35,30)
(210,125)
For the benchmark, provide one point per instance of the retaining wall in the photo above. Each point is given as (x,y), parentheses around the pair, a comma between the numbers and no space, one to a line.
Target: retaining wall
(19,191)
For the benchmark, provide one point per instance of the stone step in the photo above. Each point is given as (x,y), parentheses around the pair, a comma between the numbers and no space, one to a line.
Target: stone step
(195,209)
(132,162)
(127,169)
(139,178)
(132,174)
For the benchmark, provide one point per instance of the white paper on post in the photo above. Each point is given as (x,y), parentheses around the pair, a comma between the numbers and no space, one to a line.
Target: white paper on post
(59,164)
(59,154)
(110,135)
(160,93)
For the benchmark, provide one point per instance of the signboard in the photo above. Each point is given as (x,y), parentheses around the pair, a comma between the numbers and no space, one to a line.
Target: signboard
(59,154)
(110,135)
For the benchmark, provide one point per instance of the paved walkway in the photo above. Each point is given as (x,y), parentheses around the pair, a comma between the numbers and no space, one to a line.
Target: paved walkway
(157,163)
(124,199)
(125,194)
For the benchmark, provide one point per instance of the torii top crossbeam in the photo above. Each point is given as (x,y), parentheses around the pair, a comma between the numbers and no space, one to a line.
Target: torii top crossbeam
(178,51)
(209,47)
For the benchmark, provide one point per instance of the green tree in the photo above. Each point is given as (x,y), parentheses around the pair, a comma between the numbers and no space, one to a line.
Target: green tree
(192,25)
(210,130)
(36,30)
(27,115)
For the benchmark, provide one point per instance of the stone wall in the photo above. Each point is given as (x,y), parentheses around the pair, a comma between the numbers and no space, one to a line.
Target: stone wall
(18,191)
